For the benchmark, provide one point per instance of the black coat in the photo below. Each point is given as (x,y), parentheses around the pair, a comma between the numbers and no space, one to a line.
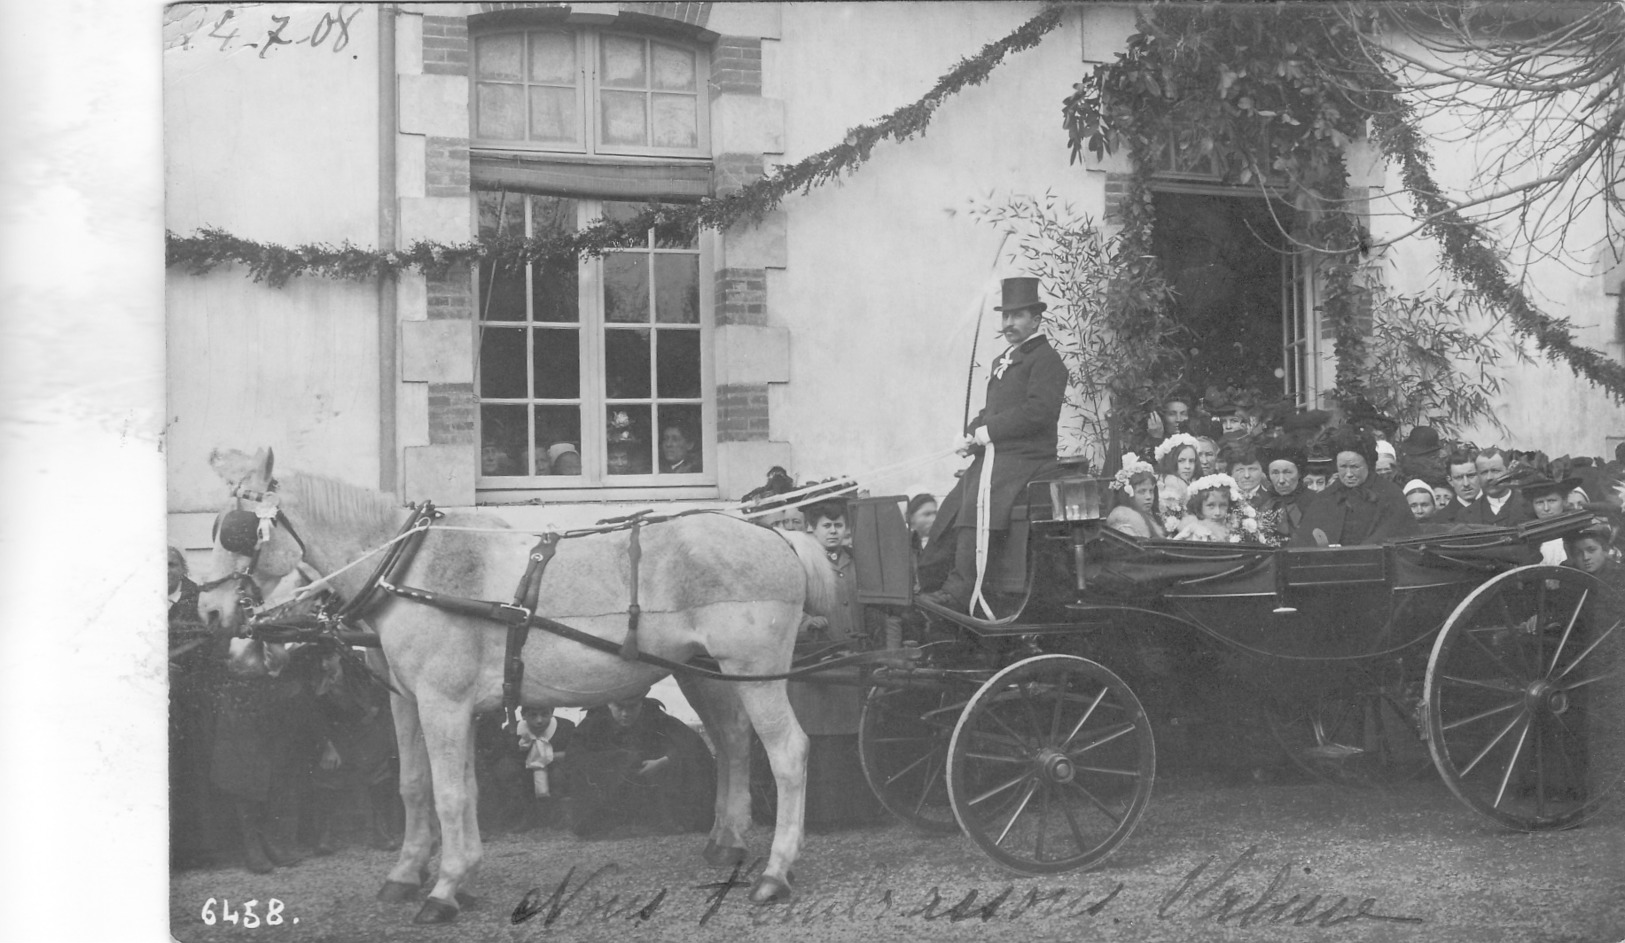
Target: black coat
(1515,511)
(1022,412)
(1370,513)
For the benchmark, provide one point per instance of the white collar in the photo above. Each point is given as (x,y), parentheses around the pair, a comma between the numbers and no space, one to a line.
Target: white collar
(1497,505)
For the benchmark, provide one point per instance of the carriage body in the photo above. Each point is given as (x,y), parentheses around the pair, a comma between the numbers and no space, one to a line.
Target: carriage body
(1367,663)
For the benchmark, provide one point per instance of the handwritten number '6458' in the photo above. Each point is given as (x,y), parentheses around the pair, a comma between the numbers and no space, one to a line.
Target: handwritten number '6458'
(248,918)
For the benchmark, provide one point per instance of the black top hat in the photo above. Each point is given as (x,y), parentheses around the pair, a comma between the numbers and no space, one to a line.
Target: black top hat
(1422,440)
(1019,293)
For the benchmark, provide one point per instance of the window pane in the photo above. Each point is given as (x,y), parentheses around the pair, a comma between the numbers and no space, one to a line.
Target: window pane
(677,289)
(558,363)
(555,292)
(553,57)
(624,120)
(501,110)
(558,438)
(679,367)
(626,363)
(553,115)
(502,292)
(497,57)
(626,287)
(510,206)
(676,124)
(502,440)
(680,449)
(675,235)
(673,68)
(502,362)
(628,443)
(552,214)
(622,62)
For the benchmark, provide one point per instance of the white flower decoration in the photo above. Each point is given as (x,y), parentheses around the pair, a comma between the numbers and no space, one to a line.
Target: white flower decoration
(1132,465)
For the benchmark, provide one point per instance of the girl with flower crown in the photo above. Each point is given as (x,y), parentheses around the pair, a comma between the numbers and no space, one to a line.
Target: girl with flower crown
(1218,514)
(1177,455)
(1134,490)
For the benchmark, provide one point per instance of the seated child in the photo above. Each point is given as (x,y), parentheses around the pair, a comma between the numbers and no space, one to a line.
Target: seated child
(1134,490)
(545,740)
(1217,512)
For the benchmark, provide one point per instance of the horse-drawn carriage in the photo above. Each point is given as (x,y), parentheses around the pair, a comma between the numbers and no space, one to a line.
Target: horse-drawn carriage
(1014,730)
(1025,732)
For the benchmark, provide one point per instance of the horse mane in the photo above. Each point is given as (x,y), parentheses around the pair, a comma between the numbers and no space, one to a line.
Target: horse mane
(341,504)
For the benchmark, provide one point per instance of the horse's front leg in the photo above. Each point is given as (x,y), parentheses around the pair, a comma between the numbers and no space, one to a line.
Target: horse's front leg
(448,734)
(417,796)
(775,721)
(724,717)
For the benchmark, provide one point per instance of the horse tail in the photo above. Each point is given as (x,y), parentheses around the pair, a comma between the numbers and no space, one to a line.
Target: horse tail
(822,589)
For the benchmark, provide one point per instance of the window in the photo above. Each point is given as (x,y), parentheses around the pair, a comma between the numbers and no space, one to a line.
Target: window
(592,373)
(589,92)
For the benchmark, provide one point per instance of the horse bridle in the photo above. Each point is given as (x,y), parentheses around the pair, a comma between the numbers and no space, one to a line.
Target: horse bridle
(232,531)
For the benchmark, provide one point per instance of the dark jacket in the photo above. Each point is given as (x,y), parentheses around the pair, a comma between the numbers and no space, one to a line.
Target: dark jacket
(1022,412)
(1516,511)
(1454,512)
(1369,513)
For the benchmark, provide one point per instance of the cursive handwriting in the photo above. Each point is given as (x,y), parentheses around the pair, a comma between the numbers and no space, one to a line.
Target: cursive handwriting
(192,29)
(1220,902)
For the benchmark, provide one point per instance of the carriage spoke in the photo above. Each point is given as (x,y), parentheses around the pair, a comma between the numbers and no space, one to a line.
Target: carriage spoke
(1103,739)
(1000,788)
(996,757)
(1587,651)
(1021,807)
(1540,772)
(1489,653)
(1605,676)
(1500,688)
(1109,771)
(1517,751)
(1492,744)
(1103,807)
(907,769)
(1510,705)
(1076,728)
(932,777)
(1055,715)
(1020,740)
(1568,629)
(1043,823)
(1077,832)
(1512,626)
(1540,625)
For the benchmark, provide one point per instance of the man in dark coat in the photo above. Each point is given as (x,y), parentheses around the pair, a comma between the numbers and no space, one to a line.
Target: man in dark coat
(1498,503)
(1023,408)
(632,762)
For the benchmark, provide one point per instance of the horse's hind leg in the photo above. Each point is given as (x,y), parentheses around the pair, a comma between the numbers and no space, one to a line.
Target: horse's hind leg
(417,796)
(448,734)
(770,713)
(724,718)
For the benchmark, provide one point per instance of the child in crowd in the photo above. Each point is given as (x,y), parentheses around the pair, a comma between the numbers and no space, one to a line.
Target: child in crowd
(1419,495)
(1590,552)
(1317,469)
(1387,458)
(1134,489)
(1177,456)
(921,516)
(1211,504)
(1443,494)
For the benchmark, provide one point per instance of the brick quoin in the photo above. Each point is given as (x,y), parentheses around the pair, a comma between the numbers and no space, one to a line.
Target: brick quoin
(742,412)
(445,45)
(450,296)
(736,66)
(452,412)
(732,171)
(741,296)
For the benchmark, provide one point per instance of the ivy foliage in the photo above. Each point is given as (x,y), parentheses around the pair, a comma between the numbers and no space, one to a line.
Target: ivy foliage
(1270,95)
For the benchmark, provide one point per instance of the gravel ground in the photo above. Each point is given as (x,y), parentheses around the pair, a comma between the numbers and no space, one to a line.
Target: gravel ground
(1408,864)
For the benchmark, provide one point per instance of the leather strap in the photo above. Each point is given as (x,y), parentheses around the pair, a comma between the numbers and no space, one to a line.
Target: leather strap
(518,617)
(634,552)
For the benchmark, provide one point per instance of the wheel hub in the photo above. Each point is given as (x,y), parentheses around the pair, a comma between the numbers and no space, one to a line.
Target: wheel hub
(1056,766)
(1545,696)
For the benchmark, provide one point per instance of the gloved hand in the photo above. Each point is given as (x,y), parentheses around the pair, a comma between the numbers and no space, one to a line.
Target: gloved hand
(981,437)
(963,444)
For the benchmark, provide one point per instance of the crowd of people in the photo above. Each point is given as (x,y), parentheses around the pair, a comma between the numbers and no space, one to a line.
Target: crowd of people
(625,453)
(1222,471)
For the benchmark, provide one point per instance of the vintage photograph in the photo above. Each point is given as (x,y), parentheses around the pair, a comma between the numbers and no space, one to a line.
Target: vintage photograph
(895,470)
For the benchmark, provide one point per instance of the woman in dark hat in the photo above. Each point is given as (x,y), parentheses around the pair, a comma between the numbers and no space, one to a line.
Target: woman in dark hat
(1278,519)
(1357,507)
(1545,497)
(1421,454)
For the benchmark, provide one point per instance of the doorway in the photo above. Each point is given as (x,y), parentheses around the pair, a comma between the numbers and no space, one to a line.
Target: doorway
(1240,303)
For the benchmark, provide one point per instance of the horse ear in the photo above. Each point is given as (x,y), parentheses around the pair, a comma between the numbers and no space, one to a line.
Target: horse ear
(270,459)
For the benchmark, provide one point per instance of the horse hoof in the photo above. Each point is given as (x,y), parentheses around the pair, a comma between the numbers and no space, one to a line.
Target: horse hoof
(398,892)
(721,856)
(436,911)
(769,890)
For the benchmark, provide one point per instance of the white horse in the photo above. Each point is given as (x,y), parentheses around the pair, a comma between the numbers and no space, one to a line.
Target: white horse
(708,584)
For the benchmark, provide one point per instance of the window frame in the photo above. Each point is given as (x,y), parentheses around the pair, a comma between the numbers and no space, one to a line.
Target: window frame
(595,483)
(588,102)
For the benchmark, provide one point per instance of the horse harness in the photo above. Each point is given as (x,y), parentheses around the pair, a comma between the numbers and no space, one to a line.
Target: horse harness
(245,532)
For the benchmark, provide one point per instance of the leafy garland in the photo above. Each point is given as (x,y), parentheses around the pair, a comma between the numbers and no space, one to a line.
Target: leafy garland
(1277,91)
(209,248)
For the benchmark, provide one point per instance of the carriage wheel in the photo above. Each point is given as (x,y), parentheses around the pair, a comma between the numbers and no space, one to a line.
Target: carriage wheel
(1366,737)
(903,745)
(1051,764)
(1526,698)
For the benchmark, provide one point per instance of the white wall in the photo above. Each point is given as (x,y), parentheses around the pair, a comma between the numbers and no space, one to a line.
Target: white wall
(281,149)
(885,269)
